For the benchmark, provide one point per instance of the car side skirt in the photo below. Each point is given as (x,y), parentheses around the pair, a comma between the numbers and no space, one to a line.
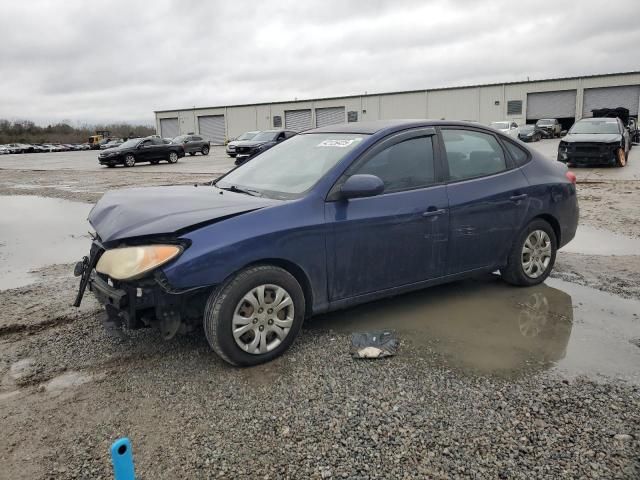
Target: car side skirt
(390,292)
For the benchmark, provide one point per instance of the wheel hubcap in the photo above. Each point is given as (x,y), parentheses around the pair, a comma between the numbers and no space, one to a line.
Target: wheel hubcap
(536,253)
(129,160)
(262,319)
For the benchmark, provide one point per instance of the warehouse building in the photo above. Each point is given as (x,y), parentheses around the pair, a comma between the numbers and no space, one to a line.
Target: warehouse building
(567,99)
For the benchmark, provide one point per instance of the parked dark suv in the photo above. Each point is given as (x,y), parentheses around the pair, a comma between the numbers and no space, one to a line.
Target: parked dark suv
(193,144)
(261,142)
(136,150)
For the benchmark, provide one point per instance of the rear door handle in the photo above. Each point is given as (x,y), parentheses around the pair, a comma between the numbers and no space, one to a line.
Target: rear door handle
(434,212)
(516,198)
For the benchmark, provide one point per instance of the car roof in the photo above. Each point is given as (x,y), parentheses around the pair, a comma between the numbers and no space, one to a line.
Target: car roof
(375,126)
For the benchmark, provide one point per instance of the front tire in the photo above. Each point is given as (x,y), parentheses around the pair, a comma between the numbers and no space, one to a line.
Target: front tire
(621,158)
(532,255)
(205,150)
(173,157)
(129,160)
(255,315)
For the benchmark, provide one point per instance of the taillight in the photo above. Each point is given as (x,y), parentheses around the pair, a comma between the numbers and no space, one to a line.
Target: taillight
(571,177)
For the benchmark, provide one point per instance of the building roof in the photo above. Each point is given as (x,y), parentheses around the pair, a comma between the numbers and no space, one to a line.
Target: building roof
(401,92)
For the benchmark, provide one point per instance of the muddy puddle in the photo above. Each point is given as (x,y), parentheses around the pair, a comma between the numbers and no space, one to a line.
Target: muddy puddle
(594,241)
(486,326)
(36,232)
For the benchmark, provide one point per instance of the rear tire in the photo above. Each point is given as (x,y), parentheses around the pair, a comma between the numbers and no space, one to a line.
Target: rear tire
(532,255)
(226,311)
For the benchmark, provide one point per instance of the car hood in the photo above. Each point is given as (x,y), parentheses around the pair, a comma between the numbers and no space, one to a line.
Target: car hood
(592,137)
(136,212)
(250,143)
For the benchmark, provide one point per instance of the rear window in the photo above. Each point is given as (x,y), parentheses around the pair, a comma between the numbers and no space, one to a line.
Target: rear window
(518,154)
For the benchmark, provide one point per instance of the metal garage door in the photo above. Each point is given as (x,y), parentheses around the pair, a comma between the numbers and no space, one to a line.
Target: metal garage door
(297,120)
(611,97)
(169,127)
(329,116)
(551,104)
(211,127)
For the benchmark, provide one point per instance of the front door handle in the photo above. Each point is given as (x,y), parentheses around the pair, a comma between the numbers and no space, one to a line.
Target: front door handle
(517,198)
(434,212)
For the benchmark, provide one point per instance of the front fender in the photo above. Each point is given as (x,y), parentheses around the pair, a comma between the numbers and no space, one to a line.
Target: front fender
(294,232)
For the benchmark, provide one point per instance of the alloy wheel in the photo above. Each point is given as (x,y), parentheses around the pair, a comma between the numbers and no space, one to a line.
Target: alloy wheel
(536,253)
(173,157)
(262,319)
(129,161)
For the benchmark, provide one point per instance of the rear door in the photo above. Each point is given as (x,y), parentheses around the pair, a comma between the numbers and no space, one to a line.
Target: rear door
(160,150)
(487,199)
(398,237)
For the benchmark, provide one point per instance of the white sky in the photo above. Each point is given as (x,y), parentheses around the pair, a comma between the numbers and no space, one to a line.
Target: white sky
(121,60)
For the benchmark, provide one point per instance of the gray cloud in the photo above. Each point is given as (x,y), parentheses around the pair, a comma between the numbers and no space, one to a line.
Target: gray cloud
(121,61)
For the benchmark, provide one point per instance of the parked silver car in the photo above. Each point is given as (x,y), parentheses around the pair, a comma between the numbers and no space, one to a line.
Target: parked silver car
(231,146)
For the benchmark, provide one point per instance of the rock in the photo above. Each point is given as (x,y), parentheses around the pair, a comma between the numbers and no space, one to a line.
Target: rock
(622,437)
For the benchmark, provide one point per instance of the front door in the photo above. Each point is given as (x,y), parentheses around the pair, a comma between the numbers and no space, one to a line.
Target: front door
(487,199)
(398,237)
(145,151)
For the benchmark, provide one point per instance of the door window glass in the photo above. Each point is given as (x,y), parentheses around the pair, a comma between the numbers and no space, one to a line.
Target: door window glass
(472,154)
(403,166)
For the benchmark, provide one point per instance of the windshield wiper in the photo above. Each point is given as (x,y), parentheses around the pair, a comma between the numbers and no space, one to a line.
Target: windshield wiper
(247,191)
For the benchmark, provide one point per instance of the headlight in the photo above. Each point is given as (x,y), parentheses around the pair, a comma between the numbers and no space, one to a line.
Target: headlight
(128,263)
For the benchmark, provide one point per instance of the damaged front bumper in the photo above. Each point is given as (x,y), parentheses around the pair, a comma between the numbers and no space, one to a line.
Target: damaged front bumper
(585,154)
(145,302)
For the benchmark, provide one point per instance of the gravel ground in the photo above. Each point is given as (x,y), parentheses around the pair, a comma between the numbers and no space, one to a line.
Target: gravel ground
(67,390)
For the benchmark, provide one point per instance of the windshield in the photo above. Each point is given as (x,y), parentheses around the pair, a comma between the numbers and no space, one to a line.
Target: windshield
(130,143)
(265,136)
(180,139)
(596,126)
(544,122)
(247,135)
(292,167)
(500,125)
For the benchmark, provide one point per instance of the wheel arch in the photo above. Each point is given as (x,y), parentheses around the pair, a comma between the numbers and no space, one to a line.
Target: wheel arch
(553,221)
(296,271)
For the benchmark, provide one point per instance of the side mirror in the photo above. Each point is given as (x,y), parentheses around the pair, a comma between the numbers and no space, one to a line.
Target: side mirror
(358,186)
(563,133)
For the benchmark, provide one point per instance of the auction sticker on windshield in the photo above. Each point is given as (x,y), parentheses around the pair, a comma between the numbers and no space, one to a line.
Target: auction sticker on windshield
(338,143)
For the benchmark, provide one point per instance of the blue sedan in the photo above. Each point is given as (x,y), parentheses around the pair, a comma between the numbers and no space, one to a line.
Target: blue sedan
(328,219)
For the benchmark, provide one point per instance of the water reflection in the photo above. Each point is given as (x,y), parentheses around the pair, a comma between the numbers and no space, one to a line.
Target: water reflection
(483,324)
(36,232)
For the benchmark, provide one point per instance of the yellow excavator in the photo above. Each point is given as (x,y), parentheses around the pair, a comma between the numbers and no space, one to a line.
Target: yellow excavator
(99,138)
